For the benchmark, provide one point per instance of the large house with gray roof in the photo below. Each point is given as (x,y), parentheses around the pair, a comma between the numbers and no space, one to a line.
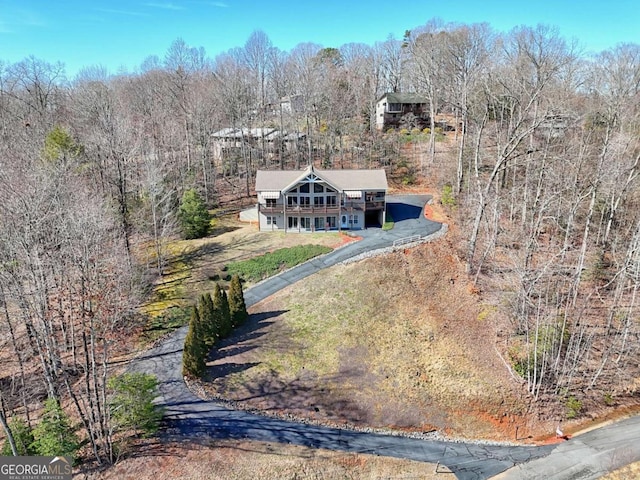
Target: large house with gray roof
(313,200)
(230,141)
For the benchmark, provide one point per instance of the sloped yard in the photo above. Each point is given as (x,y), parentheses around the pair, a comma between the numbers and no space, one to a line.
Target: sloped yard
(195,266)
(396,341)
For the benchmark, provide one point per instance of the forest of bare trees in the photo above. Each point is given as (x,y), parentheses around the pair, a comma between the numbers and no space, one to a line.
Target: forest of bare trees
(543,166)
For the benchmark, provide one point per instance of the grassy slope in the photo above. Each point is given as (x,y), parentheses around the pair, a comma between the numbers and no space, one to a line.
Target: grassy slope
(629,472)
(388,341)
(194,266)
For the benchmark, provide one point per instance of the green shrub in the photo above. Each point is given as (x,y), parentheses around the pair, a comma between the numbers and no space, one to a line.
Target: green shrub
(237,306)
(574,407)
(389,223)
(258,268)
(131,402)
(195,350)
(518,361)
(409,179)
(609,400)
(221,311)
(447,198)
(54,436)
(209,319)
(22,437)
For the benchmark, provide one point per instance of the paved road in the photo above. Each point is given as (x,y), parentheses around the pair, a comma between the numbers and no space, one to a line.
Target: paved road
(585,457)
(187,415)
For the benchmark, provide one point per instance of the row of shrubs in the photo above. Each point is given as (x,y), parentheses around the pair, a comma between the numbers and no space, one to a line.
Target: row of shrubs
(212,319)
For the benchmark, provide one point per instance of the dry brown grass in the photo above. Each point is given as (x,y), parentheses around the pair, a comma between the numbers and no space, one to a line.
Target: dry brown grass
(628,472)
(194,264)
(393,341)
(231,460)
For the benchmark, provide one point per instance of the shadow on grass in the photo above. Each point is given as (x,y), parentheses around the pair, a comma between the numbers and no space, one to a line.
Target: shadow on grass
(229,368)
(305,395)
(239,342)
(199,252)
(221,229)
(170,320)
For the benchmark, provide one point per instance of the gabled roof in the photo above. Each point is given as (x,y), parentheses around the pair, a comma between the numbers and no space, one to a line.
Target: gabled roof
(254,133)
(257,133)
(399,97)
(282,180)
(285,136)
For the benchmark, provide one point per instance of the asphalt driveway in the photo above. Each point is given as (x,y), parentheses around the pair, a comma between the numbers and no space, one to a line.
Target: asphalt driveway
(187,416)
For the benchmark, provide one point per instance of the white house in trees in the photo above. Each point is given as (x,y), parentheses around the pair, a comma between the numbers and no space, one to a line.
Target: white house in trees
(312,200)
(392,107)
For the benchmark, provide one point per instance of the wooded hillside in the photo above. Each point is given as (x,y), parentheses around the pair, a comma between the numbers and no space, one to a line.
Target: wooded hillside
(540,173)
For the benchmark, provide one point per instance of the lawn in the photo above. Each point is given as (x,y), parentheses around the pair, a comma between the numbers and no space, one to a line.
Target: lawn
(271,263)
(195,266)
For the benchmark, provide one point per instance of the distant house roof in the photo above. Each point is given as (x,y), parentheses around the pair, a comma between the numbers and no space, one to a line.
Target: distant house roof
(398,97)
(270,180)
(225,132)
(256,133)
(243,132)
(285,136)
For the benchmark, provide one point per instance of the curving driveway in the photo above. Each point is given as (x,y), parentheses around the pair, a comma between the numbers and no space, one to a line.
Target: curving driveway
(186,415)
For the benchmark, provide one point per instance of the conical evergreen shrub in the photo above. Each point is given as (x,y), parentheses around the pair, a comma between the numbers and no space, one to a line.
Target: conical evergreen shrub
(237,307)
(221,307)
(195,350)
(208,320)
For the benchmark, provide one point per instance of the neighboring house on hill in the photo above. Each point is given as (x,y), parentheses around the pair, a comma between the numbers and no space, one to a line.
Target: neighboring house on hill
(292,104)
(312,200)
(555,125)
(229,141)
(391,107)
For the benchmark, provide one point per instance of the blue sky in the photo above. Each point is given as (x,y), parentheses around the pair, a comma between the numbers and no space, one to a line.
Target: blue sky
(122,33)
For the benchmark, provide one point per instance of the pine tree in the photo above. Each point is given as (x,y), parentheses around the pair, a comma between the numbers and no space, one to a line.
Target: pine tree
(194,216)
(22,436)
(195,350)
(237,307)
(221,306)
(53,436)
(131,402)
